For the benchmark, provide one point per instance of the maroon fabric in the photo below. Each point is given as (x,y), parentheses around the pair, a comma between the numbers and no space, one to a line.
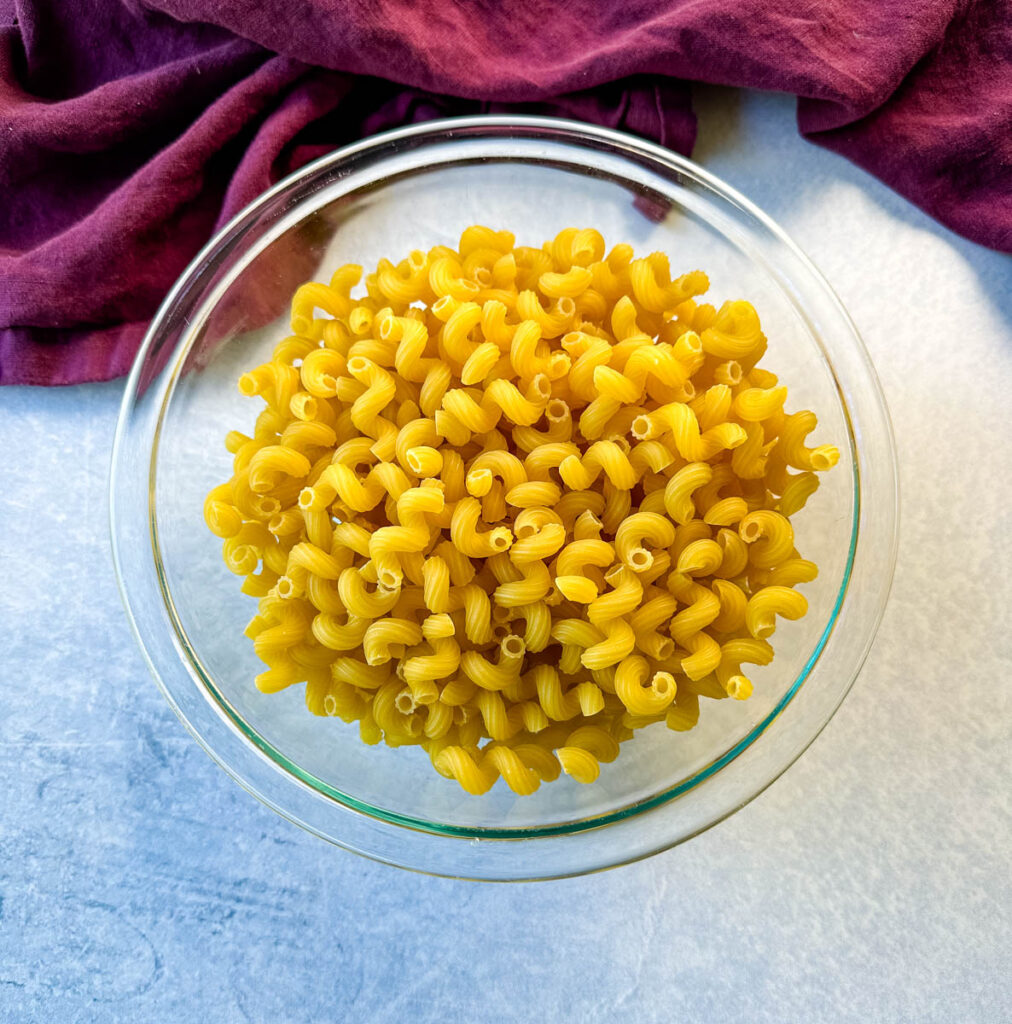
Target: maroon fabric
(130,131)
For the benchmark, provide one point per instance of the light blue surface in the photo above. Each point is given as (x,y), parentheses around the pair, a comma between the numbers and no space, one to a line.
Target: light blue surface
(138,883)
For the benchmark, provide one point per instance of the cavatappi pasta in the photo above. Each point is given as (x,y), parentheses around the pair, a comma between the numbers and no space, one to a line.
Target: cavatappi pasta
(511,504)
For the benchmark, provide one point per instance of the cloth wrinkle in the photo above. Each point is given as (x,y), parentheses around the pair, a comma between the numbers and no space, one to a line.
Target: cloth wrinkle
(132,130)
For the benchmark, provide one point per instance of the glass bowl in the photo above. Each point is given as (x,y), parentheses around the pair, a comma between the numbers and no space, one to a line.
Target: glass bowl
(416,188)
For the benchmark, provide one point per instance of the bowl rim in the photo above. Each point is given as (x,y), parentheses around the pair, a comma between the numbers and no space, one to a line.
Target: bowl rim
(445,129)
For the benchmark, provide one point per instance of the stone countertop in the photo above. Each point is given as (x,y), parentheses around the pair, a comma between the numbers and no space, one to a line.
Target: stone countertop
(870,883)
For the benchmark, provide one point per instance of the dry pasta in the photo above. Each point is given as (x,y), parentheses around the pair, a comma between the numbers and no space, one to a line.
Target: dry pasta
(511,504)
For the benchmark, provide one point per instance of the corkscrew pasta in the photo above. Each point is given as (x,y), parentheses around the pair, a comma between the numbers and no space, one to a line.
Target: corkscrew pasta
(511,504)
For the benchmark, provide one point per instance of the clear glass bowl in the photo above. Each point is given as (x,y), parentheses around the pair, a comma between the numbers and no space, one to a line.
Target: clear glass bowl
(415,188)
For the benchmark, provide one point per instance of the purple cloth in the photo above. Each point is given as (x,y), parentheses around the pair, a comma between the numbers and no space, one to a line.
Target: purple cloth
(130,131)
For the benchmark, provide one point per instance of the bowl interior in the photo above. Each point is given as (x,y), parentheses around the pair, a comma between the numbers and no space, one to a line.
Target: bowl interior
(535,191)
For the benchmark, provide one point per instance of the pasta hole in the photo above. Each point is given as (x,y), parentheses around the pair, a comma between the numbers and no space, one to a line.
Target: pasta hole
(513,646)
(764,627)
(329,705)
(268,506)
(358,364)
(479,482)
(558,365)
(640,559)
(360,321)
(663,683)
(557,410)
(389,580)
(640,427)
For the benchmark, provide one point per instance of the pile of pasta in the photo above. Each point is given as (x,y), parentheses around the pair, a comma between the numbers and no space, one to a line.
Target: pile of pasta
(512,504)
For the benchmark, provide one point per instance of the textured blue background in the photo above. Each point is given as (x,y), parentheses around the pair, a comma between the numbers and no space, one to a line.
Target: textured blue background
(138,883)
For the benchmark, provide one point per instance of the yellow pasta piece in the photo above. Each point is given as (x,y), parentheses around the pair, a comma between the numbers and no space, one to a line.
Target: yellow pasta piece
(765,604)
(414,533)
(386,634)
(643,693)
(769,536)
(464,532)
(725,512)
(539,545)
(584,750)
(495,675)
(625,596)
(690,441)
(678,490)
(792,437)
(635,532)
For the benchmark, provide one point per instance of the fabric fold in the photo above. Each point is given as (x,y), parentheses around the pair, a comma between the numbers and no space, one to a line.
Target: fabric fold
(130,131)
